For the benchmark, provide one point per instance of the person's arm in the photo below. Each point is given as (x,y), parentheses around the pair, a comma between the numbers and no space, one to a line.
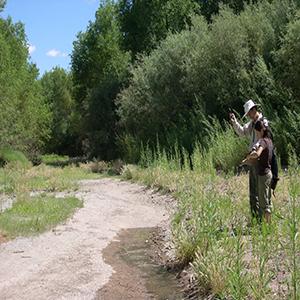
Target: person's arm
(255,153)
(240,130)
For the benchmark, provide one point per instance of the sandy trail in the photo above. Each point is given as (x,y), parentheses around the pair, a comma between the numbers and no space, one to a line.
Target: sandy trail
(67,263)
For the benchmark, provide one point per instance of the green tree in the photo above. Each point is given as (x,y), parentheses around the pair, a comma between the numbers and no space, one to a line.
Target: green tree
(144,23)
(156,104)
(57,90)
(99,68)
(288,61)
(205,71)
(24,115)
(209,8)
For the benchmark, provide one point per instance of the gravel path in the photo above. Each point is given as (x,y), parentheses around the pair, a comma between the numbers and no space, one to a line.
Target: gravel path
(67,263)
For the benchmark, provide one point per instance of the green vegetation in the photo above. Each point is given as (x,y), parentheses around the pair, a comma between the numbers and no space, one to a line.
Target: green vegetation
(57,91)
(145,24)
(99,68)
(209,68)
(20,180)
(36,215)
(55,159)
(153,83)
(146,73)
(212,231)
(12,156)
(32,214)
(24,115)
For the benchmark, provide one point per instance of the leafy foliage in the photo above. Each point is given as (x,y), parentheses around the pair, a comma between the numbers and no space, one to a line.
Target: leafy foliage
(24,115)
(145,23)
(99,66)
(57,90)
(146,73)
(8,156)
(206,70)
(288,57)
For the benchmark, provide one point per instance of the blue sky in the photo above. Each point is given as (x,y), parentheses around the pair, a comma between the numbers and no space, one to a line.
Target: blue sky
(51,27)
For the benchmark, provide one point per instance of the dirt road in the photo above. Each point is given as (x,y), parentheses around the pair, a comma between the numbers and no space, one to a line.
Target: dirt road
(67,262)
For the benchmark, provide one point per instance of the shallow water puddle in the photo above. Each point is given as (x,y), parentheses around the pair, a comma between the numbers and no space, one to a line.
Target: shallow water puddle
(136,275)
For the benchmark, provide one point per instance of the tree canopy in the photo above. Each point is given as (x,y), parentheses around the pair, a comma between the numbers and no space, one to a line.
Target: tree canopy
(24,115)
(99,67)
(147,72)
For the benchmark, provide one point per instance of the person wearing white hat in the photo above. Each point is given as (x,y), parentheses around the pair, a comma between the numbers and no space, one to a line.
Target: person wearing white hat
(248,130)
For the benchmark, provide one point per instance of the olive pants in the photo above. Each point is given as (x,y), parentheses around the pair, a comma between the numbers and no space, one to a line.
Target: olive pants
(264,193)
(253,191)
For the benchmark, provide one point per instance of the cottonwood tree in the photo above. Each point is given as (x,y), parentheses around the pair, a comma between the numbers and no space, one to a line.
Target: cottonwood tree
(145,23)
(99,67)
(57,90)
(24,115)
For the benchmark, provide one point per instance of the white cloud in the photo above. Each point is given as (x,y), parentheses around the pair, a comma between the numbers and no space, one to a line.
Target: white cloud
(56,53)
(31,48)
(53,53)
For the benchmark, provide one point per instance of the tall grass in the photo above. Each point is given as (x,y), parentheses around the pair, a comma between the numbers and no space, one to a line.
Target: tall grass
(293,227)
(212,230)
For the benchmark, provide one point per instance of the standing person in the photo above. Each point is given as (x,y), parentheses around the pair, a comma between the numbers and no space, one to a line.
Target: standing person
(247,130)
(263,153)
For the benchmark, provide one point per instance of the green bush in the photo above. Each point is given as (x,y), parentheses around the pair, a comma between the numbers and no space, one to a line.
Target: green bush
(129,147)
(12,156)
(55,159)
(286,130)
(288,59)
(156,106)
(207,69)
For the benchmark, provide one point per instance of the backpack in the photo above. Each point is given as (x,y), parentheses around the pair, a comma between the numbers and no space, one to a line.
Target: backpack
(274,164)
(274,169)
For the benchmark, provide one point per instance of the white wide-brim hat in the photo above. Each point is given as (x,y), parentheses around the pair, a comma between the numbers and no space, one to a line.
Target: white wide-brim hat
(248,106)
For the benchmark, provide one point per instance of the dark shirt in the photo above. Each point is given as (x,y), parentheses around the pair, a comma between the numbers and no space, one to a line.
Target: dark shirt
(264,161)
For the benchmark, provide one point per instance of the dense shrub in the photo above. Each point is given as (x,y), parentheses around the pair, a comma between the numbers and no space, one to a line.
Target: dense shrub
(156,104)
(10,156)
(288,59)
(208,69)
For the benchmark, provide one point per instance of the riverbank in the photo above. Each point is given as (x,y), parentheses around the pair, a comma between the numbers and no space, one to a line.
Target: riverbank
(73,260)
(214,238)
(209,245)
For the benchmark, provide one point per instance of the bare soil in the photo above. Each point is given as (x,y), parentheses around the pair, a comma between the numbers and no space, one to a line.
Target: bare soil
(68,262)
(3,238)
